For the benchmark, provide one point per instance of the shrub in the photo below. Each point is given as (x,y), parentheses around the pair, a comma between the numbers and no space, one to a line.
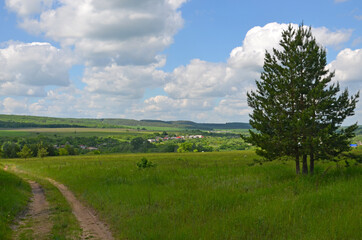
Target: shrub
(145,163)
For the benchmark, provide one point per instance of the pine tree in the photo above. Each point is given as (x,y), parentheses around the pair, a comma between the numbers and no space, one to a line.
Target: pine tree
(297,111)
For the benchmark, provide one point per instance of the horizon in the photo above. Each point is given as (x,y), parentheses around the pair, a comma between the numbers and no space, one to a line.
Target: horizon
(177,59)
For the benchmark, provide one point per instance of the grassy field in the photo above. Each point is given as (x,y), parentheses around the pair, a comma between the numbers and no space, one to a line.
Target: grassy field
(67,132)
(14,195)
(211,196)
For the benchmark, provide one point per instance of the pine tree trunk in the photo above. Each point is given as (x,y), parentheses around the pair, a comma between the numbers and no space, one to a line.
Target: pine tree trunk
(305,164)
(297,166)
(311,165)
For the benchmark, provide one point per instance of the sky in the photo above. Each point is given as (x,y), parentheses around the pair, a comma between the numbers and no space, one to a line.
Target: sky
(159,59)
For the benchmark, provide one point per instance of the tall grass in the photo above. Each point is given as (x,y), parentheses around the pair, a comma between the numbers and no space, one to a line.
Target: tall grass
(14,195)
(212,196)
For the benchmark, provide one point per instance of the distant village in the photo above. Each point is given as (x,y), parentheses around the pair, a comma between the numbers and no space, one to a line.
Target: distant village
(84,147)
(166,138)
(153,140)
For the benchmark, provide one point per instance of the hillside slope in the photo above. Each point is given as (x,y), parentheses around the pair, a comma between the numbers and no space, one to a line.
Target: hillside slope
(20,121)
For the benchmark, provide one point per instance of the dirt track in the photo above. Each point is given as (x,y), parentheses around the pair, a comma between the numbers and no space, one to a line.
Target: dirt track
(92,227)
(37,215)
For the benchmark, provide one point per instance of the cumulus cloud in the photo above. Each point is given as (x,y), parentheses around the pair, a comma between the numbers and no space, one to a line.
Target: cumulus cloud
(69,101)
(28,67)
(125,81)
(10,106)
(235,109)
(103,32)
(28,7)
(347,66)
(329,38)
(164,107)
(199,79)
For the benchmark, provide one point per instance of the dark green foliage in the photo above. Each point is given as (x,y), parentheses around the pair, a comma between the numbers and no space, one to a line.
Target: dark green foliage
(141,145)
(70,149)
(10,150)
(297,111)
(145,163)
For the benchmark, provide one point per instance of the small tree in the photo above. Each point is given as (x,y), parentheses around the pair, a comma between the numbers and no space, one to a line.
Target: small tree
(185,147)
(63,152)
(42,152)
(25,152)
(296,109)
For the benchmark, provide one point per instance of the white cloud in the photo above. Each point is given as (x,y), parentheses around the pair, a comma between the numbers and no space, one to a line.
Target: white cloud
(11,106)
(27,67)
(28,7)
(347,66)
(358,17)
(164,107)
(124,81)
(199,79)
(328,38)
(103,32)
(233,108)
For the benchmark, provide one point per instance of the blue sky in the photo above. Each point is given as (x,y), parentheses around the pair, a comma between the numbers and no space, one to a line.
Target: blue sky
(158,59)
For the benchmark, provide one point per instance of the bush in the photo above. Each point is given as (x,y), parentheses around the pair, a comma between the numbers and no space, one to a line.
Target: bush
(145,163)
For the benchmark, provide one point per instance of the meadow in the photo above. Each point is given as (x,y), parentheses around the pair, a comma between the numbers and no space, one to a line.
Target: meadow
(218,195)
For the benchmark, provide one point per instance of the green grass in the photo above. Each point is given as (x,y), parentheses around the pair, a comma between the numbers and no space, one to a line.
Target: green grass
(211,196)
(14,195)
(12,133)
(66,132)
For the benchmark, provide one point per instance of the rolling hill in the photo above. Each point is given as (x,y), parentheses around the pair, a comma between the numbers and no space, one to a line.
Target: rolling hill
(21,121)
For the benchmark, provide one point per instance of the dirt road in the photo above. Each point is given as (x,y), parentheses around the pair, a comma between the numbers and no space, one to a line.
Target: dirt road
(92,227)
(38,214)
(36,223)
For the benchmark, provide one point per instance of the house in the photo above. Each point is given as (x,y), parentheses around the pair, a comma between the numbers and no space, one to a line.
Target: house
(92,148)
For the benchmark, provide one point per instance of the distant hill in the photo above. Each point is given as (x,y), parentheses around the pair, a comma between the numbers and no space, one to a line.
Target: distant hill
(20,121)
